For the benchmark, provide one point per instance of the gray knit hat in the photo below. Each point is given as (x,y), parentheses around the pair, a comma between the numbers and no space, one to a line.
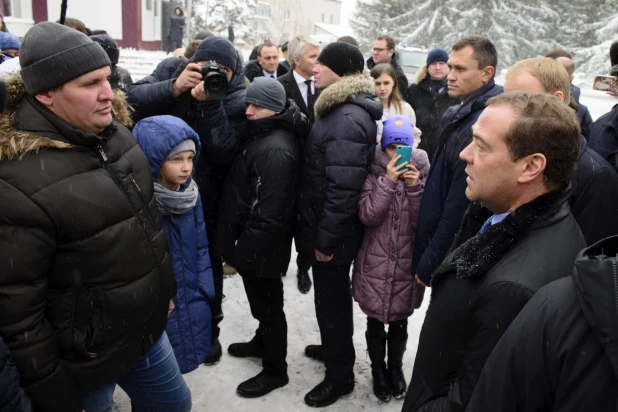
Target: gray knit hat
(187,145)
(266,92)
(52,54)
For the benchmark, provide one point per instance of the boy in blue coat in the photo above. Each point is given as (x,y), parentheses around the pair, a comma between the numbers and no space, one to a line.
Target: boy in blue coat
(172,148)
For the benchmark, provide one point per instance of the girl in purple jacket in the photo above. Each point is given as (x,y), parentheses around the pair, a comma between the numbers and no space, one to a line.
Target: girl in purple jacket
(383,283)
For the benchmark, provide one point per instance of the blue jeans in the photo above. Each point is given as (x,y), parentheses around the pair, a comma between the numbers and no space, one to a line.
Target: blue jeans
(154,384)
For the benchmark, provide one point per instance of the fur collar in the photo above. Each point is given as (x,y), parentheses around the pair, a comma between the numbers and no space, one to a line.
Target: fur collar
(421,74)
(15,144)
(473,255)
(343,91)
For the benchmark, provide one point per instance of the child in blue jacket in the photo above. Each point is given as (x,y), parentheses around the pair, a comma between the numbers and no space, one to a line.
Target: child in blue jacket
(172,149)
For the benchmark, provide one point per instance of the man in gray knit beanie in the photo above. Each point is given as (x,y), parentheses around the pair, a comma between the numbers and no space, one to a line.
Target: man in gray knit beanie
(87,282)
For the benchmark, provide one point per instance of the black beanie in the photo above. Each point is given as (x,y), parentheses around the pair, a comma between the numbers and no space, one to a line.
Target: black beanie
(218,49)
(52,54)
(109,45)
(342,58)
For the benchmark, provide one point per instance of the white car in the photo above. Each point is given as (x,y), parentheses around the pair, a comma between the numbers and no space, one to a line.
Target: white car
(411,59)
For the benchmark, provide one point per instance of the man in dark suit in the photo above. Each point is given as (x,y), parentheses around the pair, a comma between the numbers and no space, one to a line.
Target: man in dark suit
(299,86)
(302,56)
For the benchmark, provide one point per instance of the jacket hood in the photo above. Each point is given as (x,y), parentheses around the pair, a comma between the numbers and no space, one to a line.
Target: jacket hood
(15,143)
(158,135)
(291,118)
(421,74)
(358,89)
(596,276)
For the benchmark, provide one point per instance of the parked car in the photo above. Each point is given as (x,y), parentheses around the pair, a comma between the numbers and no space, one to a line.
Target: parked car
(411,59)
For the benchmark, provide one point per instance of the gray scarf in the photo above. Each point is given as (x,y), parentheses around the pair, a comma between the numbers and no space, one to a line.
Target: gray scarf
(176,203)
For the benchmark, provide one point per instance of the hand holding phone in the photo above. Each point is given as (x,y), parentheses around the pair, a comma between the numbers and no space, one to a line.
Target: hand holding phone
(605,83)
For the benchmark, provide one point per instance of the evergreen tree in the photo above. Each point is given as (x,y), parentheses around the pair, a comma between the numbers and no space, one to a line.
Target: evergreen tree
(375,17)
(220,13)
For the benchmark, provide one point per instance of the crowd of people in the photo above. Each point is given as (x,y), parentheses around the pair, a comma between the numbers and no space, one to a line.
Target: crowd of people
(122,200)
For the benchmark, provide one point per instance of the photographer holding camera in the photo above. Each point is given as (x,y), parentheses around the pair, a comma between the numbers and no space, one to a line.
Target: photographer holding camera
(207,92)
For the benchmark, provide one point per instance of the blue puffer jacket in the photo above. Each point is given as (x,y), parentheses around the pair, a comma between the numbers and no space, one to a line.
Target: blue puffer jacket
(189,326)
(444,200)
(12,398)
(212,120)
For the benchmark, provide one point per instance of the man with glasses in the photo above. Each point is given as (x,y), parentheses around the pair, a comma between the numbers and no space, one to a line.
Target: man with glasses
(384,52)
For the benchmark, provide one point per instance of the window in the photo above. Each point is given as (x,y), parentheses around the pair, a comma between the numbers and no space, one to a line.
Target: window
(323,16)
(332,19)
(148,4)
(156,8)
(12,8)
(264,10)
(286,14)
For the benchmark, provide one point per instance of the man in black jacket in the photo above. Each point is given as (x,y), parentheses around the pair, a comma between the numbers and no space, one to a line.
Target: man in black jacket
(266,63)
(335,162)
(120,78)
(472,65)
(594,183)
(255,228)
(299,85)
(517,236)
(561,351)
(429,98)
(176,87)
(383,51)
(86,273)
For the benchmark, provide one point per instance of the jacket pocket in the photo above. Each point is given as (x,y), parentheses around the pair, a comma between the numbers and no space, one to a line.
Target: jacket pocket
(88,323)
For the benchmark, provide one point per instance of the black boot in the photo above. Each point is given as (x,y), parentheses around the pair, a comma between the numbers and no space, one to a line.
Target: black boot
(215,353)
(314,352)
(396,349)
(251,349)
(376,346)
(304,281)
(260,385)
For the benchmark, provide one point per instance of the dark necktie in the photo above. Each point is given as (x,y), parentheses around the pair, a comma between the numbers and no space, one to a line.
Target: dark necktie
(310,96)
(486,225)
(272,76)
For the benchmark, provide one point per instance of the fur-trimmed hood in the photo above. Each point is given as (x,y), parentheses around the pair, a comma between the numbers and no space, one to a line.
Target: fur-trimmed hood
(357,89)
(15,143)
(421,74)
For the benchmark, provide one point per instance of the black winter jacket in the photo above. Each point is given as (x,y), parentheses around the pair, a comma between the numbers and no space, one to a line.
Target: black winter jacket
(604,137)
(429,109)
(480,288)
(402,80)
(256,220)
(444,200)
(12,397)
(212,120)
(253,70)
(594,199)
(336,158)
(86,272)
(561,352)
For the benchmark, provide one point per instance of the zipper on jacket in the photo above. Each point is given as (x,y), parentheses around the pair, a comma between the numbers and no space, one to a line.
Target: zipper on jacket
(146,208)
(102,153)
(615,265)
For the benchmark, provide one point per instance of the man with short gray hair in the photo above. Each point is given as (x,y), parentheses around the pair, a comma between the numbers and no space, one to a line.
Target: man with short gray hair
(299,86)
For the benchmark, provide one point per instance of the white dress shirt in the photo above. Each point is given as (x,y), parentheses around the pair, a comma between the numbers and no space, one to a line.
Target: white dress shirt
(300,80)
(266,74)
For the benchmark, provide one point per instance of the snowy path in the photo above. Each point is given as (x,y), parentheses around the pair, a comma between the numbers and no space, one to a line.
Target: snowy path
(214,387)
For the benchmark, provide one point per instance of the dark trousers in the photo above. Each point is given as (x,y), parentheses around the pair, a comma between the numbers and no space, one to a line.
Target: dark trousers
(266,302)
(217,276)
(397,330)
(333,308)
(302,260)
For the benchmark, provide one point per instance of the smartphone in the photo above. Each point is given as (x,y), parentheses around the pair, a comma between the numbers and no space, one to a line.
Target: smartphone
(605,83)
(406,154)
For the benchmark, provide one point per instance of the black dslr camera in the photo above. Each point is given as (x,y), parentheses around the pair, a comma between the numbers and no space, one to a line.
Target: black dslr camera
(215,80)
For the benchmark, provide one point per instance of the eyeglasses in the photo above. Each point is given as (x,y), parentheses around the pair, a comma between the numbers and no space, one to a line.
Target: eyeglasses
(376,49)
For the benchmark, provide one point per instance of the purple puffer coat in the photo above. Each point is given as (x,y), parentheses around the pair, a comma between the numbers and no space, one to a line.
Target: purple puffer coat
(383,284)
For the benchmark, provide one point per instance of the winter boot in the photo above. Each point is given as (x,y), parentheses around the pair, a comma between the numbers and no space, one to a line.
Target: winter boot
(396,348)
(251,349)
(304,281)
(215,353)
(376,346)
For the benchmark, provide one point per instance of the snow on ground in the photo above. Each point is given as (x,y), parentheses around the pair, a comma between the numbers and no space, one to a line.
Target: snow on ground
(214,387)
